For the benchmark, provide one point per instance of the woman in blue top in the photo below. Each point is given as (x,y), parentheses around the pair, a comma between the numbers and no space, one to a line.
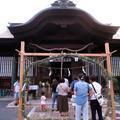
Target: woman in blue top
(82,90)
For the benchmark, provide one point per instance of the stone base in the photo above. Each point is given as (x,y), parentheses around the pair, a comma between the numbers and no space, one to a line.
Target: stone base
(37,114)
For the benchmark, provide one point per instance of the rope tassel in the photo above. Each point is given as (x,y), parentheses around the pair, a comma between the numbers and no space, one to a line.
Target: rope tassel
(69,73)
(83,69)
(50,73)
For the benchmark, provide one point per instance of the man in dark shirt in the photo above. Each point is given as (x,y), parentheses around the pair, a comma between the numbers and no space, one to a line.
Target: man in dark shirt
(54,93)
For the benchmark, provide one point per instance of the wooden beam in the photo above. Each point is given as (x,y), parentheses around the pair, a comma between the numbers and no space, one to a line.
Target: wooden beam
(55,54)
(109,69)
(20,114)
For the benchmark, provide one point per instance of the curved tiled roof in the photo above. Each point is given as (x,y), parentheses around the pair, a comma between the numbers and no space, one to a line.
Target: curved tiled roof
(56,20)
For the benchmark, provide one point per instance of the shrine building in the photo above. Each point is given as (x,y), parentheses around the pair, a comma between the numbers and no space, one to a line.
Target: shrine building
(60,28)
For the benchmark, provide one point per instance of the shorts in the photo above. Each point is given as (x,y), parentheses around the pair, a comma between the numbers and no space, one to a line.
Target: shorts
(16,96)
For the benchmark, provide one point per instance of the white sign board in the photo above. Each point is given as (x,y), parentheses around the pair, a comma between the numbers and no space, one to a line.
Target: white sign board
(33,87)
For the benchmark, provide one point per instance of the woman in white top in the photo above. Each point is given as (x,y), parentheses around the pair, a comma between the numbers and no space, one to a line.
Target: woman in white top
(95,107)
(62,99)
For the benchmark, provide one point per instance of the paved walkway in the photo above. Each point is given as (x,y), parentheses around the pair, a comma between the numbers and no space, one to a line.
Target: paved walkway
(6,98)
(36,114)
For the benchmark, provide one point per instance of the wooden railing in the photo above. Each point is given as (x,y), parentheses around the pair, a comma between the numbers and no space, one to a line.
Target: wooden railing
(6,66)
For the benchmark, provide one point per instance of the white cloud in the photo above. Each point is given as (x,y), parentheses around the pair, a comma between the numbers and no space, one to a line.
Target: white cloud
(105,11)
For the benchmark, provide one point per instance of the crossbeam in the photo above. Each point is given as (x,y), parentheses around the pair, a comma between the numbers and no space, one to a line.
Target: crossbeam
(56,54)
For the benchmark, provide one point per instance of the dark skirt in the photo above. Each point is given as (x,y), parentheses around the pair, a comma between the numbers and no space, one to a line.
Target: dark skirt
(62,103)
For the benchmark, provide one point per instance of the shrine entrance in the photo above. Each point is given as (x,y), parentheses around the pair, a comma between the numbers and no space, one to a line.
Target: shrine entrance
(60,55)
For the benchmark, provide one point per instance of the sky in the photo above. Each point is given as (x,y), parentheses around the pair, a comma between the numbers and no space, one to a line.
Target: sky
(20,11)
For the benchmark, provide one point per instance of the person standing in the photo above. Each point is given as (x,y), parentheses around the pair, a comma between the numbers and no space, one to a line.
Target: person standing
(54,93)
(82,90)
(95,107)
(16,92)
(62,99)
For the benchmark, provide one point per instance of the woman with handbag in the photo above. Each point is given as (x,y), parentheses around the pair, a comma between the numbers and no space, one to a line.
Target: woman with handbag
(95,106)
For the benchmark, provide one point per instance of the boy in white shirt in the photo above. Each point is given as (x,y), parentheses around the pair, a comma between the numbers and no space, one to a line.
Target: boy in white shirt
(73,101)
(16,92)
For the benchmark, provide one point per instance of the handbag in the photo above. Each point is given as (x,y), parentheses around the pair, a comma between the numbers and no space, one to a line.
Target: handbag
(99,96)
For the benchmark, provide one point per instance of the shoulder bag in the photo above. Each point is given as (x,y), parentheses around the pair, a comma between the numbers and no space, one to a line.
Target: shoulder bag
(99,96)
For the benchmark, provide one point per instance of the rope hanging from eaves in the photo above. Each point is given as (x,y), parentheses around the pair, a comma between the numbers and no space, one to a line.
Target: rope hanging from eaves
(62,49)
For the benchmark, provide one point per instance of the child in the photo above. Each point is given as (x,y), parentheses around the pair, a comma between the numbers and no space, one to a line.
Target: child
(73,101)
(43,102)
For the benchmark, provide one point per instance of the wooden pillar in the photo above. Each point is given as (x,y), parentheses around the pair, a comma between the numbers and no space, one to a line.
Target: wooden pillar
(109,69)
(14,69)
(98,70)
(89,64)
(13,73)
(20,113)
